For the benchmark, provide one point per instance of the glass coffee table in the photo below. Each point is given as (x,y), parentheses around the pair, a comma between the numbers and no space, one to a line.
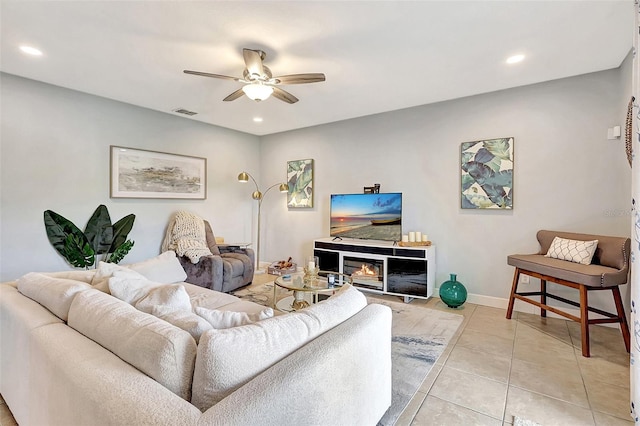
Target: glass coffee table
(306,290)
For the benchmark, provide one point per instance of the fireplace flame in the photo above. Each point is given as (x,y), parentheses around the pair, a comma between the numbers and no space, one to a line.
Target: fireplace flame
(365,270)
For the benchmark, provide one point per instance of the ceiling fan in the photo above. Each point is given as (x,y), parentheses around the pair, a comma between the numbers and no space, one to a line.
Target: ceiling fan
(259,82)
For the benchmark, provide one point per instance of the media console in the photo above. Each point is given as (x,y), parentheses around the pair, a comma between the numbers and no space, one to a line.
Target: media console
(380,266)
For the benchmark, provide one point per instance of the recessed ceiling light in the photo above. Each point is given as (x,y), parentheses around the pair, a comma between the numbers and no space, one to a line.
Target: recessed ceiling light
(257,119)
(515,59)
(31,50)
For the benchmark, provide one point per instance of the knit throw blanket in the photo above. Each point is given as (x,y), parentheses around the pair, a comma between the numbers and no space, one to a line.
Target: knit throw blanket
(186,236)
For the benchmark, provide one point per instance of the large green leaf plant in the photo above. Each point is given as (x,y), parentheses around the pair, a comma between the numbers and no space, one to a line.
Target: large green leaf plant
(100,237)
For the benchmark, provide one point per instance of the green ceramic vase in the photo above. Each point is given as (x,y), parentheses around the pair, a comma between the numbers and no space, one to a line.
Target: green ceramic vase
(452,292)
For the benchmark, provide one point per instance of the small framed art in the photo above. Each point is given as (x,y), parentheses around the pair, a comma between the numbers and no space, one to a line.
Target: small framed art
(300,181)
(487,174)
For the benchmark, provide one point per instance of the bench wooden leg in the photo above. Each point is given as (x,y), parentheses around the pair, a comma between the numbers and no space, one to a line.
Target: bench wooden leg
(624,326)
(514,289)
(543,297)
(584,321)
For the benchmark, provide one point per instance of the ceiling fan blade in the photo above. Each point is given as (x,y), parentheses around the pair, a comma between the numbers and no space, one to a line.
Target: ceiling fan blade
(235,95)
(285,96)
(206,74)
(300,78)
(253,61)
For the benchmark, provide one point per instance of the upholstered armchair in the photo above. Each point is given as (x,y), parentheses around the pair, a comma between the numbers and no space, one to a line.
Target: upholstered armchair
(228,268)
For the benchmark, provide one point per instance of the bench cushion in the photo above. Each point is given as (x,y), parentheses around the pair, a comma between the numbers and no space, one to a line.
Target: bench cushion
(589,275)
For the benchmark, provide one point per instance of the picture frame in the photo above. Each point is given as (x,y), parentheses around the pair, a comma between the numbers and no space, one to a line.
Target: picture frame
(486,174)
(140,173)
(300,181)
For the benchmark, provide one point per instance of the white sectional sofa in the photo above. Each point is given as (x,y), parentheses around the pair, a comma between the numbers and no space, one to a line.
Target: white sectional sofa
(71,354)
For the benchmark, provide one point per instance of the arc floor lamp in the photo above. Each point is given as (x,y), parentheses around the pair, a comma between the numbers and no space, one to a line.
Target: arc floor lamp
(259,196)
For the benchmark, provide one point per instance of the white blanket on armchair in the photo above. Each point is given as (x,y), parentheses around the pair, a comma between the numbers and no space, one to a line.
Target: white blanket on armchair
(186,236)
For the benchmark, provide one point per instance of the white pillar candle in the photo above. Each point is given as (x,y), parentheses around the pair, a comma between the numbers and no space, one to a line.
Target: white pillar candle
(405,238)
(312,265)
(412,237)
(418,236)
(425,238)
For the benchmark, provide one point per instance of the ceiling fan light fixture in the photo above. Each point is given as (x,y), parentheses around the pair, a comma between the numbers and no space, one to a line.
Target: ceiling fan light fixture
(257,91)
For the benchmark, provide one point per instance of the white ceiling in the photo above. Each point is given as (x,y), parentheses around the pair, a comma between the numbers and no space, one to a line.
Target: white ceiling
(377,55)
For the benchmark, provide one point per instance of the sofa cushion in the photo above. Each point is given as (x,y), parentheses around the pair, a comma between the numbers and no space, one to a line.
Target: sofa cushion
(572,250)
(210,299)
(227,319)
(129,286)
(164,269)
(186,320)
(171,297)
(231,357)
(55,294)
(155,347)
(84,275)
(104,271)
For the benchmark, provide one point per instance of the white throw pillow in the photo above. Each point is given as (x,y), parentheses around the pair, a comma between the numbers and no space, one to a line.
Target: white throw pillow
(165,268)
(227,319)
(229,358)
(104,271)
(172,297)
(129,286)
(185,320)
(572,250)
(55,294)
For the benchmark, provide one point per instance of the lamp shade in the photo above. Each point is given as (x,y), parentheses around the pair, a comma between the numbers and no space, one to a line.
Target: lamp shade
(257,91)
(283,187)
(243,177)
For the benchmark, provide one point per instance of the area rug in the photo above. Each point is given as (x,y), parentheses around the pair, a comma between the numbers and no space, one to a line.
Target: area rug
(419,336)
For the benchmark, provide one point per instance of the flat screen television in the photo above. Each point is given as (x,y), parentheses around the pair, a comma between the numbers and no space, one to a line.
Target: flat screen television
(367,216)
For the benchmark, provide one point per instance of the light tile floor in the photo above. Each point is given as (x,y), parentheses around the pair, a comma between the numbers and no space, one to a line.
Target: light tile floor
(531,367)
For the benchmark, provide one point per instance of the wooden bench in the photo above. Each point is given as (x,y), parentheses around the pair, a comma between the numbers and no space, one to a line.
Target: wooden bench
(608,270)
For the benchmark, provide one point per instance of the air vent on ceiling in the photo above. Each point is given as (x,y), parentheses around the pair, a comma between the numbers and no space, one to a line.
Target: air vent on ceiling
(184,111)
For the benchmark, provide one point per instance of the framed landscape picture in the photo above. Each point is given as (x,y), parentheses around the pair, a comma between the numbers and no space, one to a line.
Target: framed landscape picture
(300,181)
(138,173)
(487,174)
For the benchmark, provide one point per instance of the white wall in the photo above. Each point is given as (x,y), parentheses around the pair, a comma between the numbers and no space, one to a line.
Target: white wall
(55,155)
(568,176)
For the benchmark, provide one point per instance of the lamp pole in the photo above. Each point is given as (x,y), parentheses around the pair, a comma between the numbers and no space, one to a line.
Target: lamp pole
(259,196)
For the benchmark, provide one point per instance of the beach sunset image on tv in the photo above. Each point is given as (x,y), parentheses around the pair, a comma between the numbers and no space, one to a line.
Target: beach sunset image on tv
(367,216)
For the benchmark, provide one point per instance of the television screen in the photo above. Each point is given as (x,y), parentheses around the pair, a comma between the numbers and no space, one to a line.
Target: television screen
(367,216)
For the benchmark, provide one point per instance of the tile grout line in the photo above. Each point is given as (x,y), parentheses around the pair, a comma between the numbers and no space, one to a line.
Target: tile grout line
(584,385)
(513,350)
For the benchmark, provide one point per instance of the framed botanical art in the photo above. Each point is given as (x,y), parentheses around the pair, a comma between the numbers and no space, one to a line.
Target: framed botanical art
(487,174)
(138,173)
(300,181)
